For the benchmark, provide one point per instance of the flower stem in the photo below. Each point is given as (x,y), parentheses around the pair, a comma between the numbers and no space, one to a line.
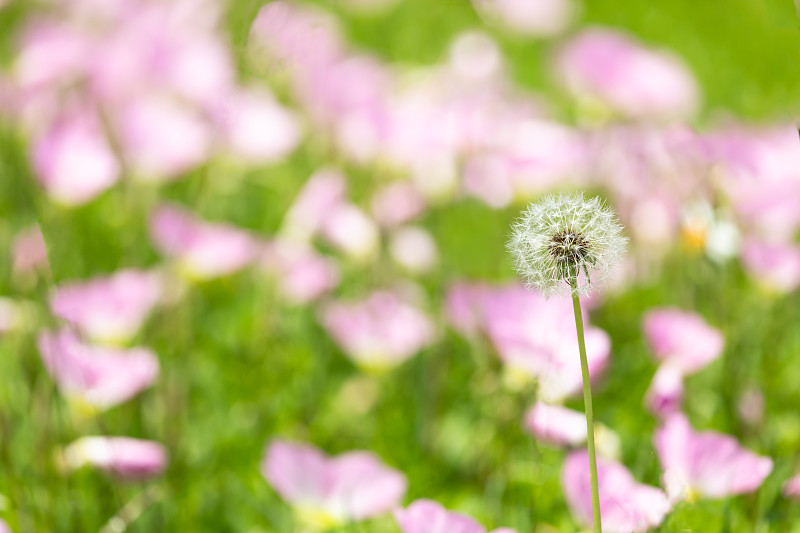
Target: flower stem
(587,401)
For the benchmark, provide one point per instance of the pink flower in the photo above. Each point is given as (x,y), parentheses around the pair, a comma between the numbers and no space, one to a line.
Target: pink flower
(757,171)
(303,274)
(320,196)
(532,18)
(629,78)
(555,424)
(111,308)
(332,490)
(534,337)
(4,527)
(123,456)
(427,516)
(28,250)
(202,249)
(706,464)
(352,231)
(162,138)
(379,332)
(101,377)
(259,129)
(397,204)
(665,394)
(414,249)
(776,265)
(464,309)
(791,488)
(682,339)
(626,506)
(73,160)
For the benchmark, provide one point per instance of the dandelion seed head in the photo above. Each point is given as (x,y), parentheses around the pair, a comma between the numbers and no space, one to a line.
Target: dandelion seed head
(565,236)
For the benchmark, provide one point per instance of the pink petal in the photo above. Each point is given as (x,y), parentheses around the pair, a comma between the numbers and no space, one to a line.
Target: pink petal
(258,128)
(709,463)
(426,516)
(381,331)
(362,486)
(776,265)
(297,472)
(28,250)
(73,160)
(123,456)
(206,250)
(304,274)
(665,394)
(791,488)
(626,506)
(109,308)
(163,138)
(352,486)
(682,338)
(397,204)
(556,425)
(103,377)
(628,77)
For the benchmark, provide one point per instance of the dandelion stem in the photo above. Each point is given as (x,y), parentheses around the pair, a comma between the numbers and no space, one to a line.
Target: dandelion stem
(587,401)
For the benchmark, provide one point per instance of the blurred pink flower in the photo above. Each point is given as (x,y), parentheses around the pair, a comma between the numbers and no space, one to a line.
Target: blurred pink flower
(414,249)
(332,490)
(3,526)
(99,376)
(123,456)
(532,156)
(706,464)
(463,307)
(297,38)
(108,309)
(73,160)
(665,395)
(202,249)
(631,79)
(379,332)
(682,339)
(28,250)
(626,506)
(791,488)
(531,18)
(258,128)
(427,516)
(397,203)
(162,138)
(533,336)
(321,194)
(555,424)
(51,57)
(304,275)
(476,57)
(352,231)
(758,172)
(776,265)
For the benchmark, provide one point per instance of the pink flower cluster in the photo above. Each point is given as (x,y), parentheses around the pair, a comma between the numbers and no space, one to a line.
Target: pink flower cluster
(328,491)
(141,88)
(97,377)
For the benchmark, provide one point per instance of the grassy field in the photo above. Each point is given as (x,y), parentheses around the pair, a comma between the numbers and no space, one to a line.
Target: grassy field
(240,365)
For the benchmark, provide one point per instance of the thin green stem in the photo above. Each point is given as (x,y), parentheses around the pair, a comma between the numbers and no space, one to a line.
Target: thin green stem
(587,401)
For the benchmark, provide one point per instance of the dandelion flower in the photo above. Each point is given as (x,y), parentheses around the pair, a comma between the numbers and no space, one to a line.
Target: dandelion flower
(565,239)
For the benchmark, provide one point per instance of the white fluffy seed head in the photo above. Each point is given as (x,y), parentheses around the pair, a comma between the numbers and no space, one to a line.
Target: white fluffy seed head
(566,236)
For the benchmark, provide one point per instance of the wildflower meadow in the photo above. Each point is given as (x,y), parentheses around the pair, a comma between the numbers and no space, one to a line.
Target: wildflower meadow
(399,266)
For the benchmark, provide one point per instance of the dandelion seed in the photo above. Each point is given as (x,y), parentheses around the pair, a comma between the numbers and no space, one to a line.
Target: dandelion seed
(565,238)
